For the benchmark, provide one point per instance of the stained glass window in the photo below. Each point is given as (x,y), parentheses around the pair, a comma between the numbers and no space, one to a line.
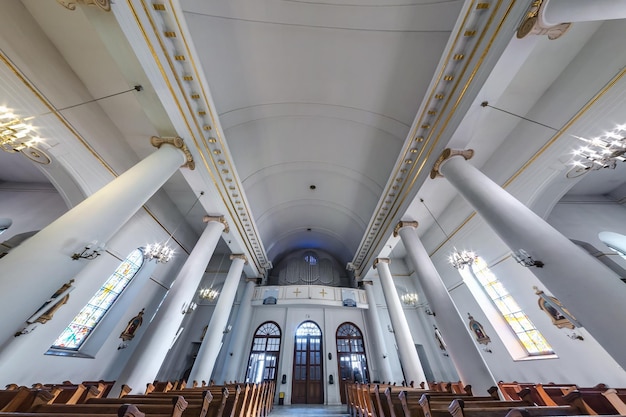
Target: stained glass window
(87,319)
(526,332)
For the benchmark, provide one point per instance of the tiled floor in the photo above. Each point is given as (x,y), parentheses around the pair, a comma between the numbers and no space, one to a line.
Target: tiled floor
(310,410)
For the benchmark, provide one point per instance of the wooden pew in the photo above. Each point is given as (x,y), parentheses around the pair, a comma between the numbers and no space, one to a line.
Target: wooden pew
(176,407)
(126,410)
(23,398)
(617,398)
(199,403)
(458,409)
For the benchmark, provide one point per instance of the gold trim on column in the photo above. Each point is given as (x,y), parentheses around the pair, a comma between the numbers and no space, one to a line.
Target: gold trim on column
(71,4)
(219,219)
(379,260)
(447,154)
(179,143)
(239,256)
(402,224)
(533,24)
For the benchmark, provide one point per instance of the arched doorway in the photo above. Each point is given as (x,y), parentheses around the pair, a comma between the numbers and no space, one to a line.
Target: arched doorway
(350,357)
(308,385)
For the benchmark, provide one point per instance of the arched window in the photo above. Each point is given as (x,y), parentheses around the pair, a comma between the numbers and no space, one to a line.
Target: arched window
(88,318)
(350,357)
(525,331)
(263,361)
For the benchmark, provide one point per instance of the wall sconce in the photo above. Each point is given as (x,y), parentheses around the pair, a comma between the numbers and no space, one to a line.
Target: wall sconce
(227,329)
(523,258)
(189,308)
(429,312)
(486,349)
(575,336)
(90,252)
(390,328)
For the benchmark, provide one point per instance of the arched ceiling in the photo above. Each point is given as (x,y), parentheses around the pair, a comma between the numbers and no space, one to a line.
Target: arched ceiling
(317,94)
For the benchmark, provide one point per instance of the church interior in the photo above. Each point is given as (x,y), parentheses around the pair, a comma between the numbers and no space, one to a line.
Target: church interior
(312,193)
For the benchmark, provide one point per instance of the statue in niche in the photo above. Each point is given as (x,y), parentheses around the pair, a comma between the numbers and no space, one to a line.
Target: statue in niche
(133,325)
(439,338)
(478,330)
(47,310)
(55,303)
(559,315)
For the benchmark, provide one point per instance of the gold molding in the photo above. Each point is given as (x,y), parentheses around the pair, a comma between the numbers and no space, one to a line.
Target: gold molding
(71,4)
(447,154)
(179,143)
(533,24)
(381,260)
(219,219)
(404,223)
(239,256)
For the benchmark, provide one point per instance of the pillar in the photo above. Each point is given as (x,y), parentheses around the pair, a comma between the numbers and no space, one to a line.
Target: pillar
(380,355)
(461,346)
(210,347)
(33,271)
(237,362)
(144,364)
(554,17)
(577,279)
(406,348)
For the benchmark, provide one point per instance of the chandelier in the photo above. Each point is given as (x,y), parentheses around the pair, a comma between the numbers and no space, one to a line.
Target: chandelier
(603,151)
(210,293)
(409,299)
(459,259)
(161,252)
(15,134)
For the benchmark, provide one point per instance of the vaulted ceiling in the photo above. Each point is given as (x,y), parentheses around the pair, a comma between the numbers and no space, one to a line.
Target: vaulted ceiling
(314,124)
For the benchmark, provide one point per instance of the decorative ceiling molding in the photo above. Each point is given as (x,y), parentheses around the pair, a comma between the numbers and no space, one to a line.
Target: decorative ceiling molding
(173,50)
(472,41)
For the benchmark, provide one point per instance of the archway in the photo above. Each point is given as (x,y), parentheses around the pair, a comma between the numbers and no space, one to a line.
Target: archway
(308,385)
(350,357)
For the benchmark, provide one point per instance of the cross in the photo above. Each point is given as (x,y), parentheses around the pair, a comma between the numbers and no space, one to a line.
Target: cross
(323,292)
(297,292)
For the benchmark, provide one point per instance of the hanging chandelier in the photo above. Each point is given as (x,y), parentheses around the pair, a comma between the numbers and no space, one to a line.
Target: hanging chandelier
(409,299)
(600,152)
(161,252)
(459,259)
(210,293)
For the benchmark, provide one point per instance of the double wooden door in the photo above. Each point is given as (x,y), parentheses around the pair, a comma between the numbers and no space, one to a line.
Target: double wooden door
(308,383)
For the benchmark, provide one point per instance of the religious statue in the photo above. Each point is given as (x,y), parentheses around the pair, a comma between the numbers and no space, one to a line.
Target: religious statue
(133,325)
(559,315)
(55,303)
(478,330)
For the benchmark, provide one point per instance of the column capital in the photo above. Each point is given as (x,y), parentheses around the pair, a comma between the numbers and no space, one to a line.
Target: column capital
(71,4)
(219,219)
(381,260)
(447,154)
(367,282)
(239,256)
(534,23)
(177,142)
(403,223)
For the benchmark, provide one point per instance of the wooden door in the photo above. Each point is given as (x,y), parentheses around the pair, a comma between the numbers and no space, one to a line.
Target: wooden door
(308,384)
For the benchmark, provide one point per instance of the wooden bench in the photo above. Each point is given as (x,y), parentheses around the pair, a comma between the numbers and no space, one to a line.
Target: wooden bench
(126,410)
(176,407)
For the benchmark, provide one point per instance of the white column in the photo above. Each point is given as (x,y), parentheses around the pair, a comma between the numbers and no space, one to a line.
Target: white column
(38,267)
(411,364)
(237,362)
(461,345)
(210,347)
(577,279)
(554,12)
(144,364)
(380,355)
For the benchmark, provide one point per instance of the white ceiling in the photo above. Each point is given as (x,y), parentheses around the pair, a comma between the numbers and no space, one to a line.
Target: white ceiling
(313,93)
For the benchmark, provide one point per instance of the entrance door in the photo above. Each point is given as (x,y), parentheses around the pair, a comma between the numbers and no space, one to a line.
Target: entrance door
(350,357)
(308,385)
